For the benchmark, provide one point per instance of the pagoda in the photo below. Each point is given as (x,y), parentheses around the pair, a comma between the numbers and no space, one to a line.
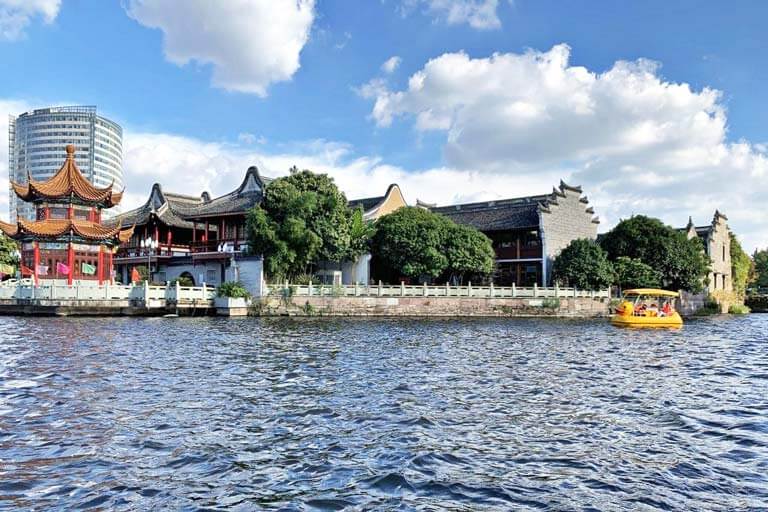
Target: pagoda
(67,238)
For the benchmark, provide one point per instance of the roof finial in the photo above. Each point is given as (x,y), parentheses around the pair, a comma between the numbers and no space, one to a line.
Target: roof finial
(70,151)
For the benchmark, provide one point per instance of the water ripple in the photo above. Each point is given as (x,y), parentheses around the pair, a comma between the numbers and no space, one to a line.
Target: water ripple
(214,414)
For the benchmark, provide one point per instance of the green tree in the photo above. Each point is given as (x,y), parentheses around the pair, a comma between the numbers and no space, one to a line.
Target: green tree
(409,242)
(681,262)
(583,264)
(741,264)
(760,259)
(8,248)
(633,273)
(469,253)
(361,232)
(304,219)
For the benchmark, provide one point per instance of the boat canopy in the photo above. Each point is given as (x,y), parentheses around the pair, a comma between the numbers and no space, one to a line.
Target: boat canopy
(651,291)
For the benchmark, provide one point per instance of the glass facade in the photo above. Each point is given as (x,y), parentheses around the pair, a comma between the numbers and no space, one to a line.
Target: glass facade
(37,142)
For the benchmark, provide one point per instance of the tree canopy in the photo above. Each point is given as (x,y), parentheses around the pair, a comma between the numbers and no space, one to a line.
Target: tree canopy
(633,273)
(682,263)
(303,219)
(416,243)
(8,248)
(583,264)
(760,259)
(741,266)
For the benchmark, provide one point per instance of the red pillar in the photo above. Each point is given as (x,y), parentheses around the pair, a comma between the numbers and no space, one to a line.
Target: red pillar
(100,266)
(157,237)
(70,263)
(194,232)
(205,235)
(36,262)
(236,239)
(168,240)
(221,230)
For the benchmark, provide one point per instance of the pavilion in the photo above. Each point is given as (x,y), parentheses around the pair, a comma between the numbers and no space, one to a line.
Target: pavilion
(67,240)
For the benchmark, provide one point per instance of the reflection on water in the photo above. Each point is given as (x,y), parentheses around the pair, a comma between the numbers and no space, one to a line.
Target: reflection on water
(322,415)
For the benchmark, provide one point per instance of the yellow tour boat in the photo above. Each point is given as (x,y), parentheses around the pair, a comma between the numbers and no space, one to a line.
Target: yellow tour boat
(647,307)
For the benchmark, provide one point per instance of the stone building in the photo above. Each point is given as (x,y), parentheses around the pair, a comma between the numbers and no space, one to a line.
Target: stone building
(717,245)
(528,232)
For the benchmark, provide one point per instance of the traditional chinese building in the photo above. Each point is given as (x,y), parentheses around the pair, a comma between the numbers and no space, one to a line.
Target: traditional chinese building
(528,232)
(67,239)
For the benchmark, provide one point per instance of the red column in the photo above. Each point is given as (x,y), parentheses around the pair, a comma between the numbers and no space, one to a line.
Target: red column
(71,263)
(157,238)
(100,266)
(169,239)
(236,239)
(205,235)
(194,232)
(221,230)
(35,278)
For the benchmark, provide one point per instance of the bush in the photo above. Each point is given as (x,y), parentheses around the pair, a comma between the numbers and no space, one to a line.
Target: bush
(738,309)
(710,307)
(233,290)
(757,303)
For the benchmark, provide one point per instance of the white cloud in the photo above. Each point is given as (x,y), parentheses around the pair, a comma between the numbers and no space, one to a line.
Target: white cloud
(478,14)
(250,43)
(391,64)
(15,15)
(638,143)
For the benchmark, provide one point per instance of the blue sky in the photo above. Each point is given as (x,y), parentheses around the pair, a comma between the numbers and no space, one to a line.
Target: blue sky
(202,93)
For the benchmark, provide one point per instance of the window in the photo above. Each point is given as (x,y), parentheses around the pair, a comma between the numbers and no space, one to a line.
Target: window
(210,276)
(723,252)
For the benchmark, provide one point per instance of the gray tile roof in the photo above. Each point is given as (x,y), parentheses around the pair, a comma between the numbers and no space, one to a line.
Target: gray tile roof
(518,213)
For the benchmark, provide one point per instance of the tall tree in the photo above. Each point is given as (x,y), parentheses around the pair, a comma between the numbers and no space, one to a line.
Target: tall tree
(583,264)
(741,264)
(681,262)
(760,259)
(304,219)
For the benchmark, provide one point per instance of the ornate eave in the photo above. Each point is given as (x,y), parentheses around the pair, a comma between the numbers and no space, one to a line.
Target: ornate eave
(58,228)
(67,184)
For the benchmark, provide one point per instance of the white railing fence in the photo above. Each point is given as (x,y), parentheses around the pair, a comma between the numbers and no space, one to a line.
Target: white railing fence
(403,290)
(143,293)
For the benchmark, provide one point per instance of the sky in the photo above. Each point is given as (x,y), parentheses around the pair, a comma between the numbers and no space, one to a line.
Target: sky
(653,107)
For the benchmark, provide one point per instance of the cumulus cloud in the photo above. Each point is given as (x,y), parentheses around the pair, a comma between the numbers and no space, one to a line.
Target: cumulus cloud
(638,143)
(249,43)
(16,15)
(391,64)
(478,14)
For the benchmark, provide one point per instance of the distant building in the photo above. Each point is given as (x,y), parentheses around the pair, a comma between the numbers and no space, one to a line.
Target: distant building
(528,232)
(717,244)
(36,142)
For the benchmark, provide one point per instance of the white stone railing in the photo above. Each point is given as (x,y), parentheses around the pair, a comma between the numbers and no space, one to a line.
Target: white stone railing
(151,296)
(402,290)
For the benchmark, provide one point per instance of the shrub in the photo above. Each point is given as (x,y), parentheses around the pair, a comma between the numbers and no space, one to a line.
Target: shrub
(710,307)
(738,309)
(233,290)
(550,303)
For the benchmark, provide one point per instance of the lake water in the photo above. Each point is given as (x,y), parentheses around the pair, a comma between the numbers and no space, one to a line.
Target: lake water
(244,414)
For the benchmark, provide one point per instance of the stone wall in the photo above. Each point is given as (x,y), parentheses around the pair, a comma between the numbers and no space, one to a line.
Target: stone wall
(567,218)
(720,255)
(433,307)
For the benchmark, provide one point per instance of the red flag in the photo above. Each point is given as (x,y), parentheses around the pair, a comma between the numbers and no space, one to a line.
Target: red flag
(61,268)
(135,276)
(26,271)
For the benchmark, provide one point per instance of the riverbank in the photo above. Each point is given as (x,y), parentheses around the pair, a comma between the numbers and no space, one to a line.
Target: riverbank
(581,307)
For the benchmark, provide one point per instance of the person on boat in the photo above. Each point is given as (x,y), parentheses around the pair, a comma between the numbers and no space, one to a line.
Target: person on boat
(653,310)
(667,309)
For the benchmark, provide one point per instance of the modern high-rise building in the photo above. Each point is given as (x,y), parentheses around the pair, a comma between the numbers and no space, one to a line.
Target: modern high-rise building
(37,142)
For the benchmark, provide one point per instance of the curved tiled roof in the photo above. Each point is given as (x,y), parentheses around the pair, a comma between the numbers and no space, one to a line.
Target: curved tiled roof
(67,181)
(57,227)
(499,215)
(249,194)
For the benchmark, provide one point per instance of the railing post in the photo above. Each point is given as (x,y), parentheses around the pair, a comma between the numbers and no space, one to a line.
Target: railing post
(557,290)
(447,289)
(357,291)
(402,288)
(146,293)
(178,291)
(469,288)
(491,290)
(514,290)
(575,293)
(309,289)
(106,290)
(205,290)
(535,289)
(379,287)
